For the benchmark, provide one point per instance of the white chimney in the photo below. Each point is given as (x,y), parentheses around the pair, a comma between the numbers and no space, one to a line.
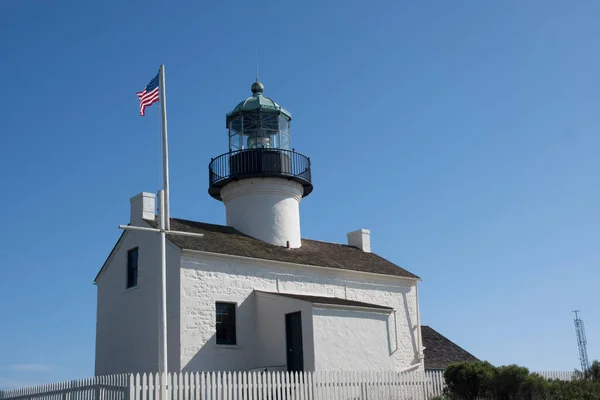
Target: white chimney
(143,206)
(361,239)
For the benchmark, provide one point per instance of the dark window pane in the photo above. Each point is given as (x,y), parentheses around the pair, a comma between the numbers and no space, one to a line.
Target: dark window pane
(225,321)
(132,267)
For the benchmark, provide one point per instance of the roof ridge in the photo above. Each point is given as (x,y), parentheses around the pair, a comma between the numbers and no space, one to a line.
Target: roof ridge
(227,226)
(228,240)
(324,241)
(200,222)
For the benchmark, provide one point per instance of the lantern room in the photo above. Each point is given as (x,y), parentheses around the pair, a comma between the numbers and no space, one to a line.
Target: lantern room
(259,146)
(258,123)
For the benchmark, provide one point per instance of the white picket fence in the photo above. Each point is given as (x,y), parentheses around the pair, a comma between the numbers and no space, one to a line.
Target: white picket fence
(557,375)
(111,387)
(272,385)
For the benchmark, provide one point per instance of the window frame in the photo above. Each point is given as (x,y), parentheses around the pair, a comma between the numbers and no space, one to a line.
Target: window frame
(132,272)
(231,324)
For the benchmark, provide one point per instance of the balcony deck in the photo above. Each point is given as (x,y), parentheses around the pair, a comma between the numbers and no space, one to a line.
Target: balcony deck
(254,163)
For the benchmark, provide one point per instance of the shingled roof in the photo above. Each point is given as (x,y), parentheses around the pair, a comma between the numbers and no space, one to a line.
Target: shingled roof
(440,351)
(226,240)
(328,300)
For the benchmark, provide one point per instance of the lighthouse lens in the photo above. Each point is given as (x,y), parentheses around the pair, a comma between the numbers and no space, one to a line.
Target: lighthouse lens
(259,142)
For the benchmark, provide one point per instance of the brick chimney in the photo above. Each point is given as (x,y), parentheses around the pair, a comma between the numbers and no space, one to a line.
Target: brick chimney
(143,206)
(360,239)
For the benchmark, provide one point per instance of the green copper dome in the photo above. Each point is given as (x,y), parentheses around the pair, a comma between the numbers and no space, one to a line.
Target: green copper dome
(257,103)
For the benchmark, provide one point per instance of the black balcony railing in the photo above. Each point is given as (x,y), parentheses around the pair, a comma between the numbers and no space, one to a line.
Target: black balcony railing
(253,163)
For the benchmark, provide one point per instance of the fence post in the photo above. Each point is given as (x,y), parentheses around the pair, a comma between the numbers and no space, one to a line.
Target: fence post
(131,392)
(96,389)
(423,380)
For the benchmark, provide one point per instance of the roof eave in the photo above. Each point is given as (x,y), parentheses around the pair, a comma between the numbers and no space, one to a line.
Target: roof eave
(110,256)
(317,304)
(382,310)
(275,262)
(112,252)
(269,110)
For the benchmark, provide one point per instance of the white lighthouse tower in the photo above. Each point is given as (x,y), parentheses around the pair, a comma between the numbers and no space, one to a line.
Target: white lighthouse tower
(261,180)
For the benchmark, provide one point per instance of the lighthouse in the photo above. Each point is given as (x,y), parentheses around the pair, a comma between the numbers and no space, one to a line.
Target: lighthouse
(252,295)
(261,179)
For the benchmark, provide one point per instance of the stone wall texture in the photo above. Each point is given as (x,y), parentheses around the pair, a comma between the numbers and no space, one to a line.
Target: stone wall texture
(206,279)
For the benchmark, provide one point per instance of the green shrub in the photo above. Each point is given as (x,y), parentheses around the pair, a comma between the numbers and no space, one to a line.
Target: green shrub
(468,380)
(507,382)
(535,387)
(481,380)
(593,373)
(580,389)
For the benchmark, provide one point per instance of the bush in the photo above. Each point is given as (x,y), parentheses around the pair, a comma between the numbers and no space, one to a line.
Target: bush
(507,382)
(593,373)
(581,389)
(535,387)
(467,380)
(481,380)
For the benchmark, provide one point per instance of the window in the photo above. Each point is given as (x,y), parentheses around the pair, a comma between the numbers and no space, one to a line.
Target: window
(225,323)
(132,267)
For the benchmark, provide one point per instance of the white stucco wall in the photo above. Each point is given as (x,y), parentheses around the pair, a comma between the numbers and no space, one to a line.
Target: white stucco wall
(208,278)
(347,339)
(270,328)
(267,209)
(127,319)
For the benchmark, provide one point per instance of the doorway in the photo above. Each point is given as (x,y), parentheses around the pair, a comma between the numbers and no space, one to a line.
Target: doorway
(293,339)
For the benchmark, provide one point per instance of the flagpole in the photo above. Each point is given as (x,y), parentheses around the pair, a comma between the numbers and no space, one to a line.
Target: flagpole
(162,357)
(165,145)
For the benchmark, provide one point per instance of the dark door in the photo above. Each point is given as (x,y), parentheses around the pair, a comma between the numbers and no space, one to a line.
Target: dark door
(293,339)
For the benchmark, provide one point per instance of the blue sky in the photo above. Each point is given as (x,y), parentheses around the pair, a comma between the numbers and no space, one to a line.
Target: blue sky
(464,134)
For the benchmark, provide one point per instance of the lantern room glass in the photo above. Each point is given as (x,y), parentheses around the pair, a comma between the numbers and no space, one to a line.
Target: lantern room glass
(259,131)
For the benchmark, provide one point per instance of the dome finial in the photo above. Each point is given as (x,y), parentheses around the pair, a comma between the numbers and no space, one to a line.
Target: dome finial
(257,87)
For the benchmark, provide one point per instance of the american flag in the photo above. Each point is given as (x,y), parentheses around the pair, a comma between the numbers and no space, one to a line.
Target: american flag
(149,95)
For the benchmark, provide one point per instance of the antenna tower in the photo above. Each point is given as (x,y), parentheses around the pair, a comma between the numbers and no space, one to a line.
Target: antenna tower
(581,343)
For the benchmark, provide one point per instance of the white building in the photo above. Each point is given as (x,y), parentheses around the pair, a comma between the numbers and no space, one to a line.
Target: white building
(253,294)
